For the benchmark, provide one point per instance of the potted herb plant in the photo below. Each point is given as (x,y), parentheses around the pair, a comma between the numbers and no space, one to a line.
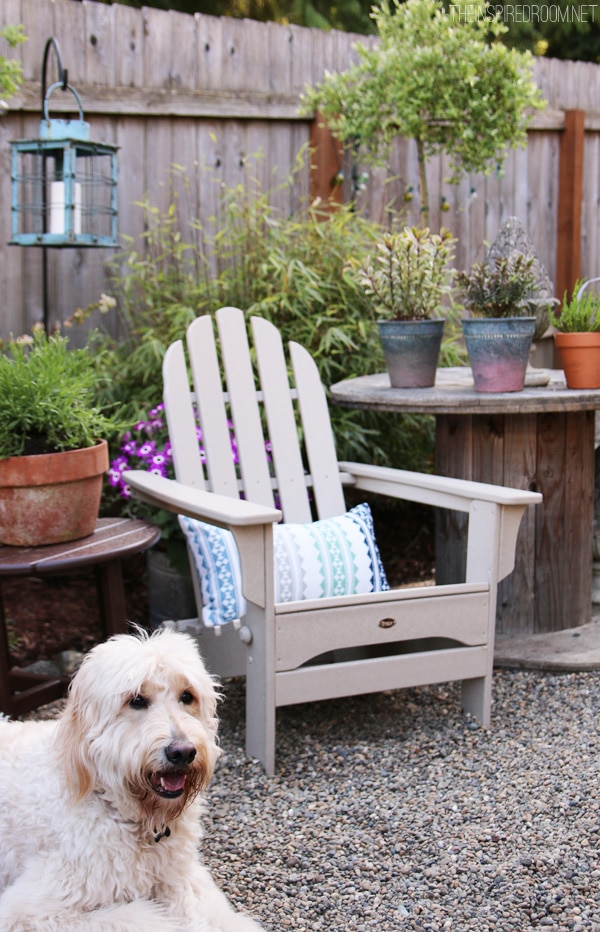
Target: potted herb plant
(52,451)
(408,276)
(578,336)
(501,296)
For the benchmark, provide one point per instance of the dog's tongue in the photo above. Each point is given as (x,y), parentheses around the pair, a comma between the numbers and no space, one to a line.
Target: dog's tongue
(172,782)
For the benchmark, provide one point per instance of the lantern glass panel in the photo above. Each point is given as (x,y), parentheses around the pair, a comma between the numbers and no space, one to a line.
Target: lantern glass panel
(64,193)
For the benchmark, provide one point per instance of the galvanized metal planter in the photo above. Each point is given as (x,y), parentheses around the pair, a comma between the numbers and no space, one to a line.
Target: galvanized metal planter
(411,349)
(498,349)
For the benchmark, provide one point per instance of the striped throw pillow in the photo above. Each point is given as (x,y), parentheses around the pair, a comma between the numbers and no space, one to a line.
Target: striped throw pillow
(331,557)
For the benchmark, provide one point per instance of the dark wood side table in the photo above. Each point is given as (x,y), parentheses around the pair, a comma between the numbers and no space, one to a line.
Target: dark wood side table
(540,439)
(112,541)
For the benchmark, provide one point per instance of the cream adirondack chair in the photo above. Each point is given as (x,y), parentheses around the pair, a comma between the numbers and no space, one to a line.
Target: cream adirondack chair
(362,643)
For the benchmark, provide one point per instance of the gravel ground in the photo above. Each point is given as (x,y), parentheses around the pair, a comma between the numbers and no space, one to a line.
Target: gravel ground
(394,812)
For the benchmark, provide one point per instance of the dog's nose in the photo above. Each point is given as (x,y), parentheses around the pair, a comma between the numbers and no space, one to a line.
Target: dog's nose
(180,753)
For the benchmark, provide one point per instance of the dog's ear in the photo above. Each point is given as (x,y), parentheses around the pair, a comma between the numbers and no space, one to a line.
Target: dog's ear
(71,748)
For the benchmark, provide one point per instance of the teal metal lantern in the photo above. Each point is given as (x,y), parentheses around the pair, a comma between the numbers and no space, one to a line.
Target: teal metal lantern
(63,185)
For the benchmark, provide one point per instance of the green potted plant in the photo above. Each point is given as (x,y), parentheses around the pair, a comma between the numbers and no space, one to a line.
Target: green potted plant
(408,276)
(52,451)
(578,336)
(501,296)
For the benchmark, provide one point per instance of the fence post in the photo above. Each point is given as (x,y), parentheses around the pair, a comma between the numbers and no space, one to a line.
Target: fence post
(570,196)
(325,165)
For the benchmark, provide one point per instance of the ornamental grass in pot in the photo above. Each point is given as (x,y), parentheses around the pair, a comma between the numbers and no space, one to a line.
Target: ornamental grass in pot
(52,449)
(408,277)
(578,336)
(501,297)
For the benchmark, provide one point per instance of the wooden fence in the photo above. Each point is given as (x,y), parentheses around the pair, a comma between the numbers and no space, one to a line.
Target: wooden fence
(210,93)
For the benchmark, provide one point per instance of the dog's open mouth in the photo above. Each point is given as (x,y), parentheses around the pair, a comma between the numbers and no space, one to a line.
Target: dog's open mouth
(168,783)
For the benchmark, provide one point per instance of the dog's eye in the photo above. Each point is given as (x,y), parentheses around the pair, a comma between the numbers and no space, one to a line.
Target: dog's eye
(187,697)
(139,702)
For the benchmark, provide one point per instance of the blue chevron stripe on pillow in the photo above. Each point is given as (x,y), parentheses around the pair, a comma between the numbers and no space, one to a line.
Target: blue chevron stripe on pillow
(331,557)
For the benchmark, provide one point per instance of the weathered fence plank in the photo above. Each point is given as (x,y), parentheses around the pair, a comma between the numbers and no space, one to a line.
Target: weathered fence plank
(568,247)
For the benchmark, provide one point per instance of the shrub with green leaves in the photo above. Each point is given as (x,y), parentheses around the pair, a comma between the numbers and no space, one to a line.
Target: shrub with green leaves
(11,73)
(48,397)
(578,314)
(408,274)
(505,287)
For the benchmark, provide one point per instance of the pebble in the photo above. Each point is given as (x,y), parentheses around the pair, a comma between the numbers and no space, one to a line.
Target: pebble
(395,812)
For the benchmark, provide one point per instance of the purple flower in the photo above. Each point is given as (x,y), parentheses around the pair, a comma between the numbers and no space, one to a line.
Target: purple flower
(147,449)
(147,446)
(129,448)
(114,477)
(120,464)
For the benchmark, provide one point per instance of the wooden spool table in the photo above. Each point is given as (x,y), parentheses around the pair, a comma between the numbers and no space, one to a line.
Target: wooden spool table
(541,439)
(112,541)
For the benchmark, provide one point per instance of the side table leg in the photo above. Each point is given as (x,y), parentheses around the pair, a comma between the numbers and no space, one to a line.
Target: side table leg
(111,596)
(5,688)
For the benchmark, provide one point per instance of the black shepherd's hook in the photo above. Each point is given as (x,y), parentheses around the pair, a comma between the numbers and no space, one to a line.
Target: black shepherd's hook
(63,74)
(63,79)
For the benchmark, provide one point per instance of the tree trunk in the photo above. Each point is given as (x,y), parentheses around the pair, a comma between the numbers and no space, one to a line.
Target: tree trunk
(423,189)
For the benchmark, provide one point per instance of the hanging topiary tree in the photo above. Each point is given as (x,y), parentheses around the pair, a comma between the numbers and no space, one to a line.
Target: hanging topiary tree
(442,78)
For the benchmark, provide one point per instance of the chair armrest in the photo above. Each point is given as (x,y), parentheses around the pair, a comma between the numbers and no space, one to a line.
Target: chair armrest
(197,503)
(441,491)
(495,512)
(251,524)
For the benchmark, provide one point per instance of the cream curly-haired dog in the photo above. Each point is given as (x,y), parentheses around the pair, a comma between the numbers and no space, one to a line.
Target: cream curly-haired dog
(99,811)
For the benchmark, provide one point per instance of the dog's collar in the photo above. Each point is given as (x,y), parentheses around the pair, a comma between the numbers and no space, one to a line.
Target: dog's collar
(164,834)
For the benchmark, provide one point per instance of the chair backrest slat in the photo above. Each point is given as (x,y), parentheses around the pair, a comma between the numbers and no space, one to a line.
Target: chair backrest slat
(245,412)
(318,435)
(180,417)
(212,411)
(281,422)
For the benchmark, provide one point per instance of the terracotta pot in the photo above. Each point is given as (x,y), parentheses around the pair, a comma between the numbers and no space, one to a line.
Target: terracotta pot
(51,498)
(498,349)
(580,358)
(411,349)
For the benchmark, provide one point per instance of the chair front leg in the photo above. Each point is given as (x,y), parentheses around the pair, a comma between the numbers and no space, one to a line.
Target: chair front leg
(255,545)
